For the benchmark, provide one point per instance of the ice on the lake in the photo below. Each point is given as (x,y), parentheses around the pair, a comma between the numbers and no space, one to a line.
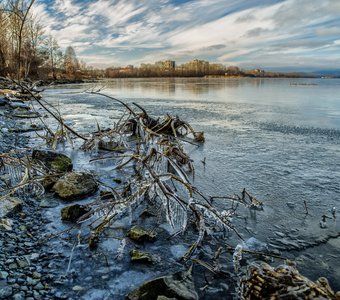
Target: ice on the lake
(178,251)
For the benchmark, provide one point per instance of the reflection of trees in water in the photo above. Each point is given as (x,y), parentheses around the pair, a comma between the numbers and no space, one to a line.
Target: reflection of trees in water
(169,86)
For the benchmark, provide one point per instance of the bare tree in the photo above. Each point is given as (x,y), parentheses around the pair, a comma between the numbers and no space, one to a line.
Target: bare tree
(71,63)
(54,54)
(19,14)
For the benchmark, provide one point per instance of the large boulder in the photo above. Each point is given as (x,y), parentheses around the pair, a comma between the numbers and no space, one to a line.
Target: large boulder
(54,161)
(75,185)
(178,285)
(9,206)
(73,212)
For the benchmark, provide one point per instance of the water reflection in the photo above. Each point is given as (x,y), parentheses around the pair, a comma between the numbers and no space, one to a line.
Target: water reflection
(173,86)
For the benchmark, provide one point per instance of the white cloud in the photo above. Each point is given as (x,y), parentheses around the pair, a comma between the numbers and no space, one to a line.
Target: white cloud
(67,7)
(157,29)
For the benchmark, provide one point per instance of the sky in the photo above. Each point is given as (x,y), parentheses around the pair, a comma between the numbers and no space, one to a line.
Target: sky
(268,34)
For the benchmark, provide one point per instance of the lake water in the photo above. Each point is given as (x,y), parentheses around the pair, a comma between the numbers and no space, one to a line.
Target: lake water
(278,138)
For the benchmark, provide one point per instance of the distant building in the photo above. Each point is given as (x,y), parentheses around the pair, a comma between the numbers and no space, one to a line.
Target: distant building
(197,66)
(169,65)
(256,72)
(166,65)
(127,70)
(217,69)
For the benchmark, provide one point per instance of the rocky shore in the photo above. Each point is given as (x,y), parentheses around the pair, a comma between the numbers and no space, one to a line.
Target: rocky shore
(25,266)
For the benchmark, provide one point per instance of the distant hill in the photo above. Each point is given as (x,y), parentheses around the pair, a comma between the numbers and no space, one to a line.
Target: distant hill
(335,73)
(308,71)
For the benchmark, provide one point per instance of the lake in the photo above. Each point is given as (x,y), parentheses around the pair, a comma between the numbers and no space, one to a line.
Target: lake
(278,138)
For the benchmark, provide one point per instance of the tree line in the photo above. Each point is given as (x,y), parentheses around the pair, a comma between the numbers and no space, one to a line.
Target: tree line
(27,52)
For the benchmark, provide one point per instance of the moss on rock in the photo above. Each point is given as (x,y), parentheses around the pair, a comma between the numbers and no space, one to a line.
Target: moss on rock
(140,235)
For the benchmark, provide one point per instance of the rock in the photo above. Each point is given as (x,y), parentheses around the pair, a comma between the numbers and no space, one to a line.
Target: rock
(3,275)
(28,128)
(9,206)
(140,235)
(75,185)
(31,281)
(109,145)
(165,298)
(24,114)
(19,296)
(19,104)
(36,295)
(140,256)
(39,286)
(12,266)
(77,288)
(178,285)
(48,203)
(34,256)
(3,101)
(36,275)
(6,224)
(5,292)
(55,161)
(73,212)
(106,195)
(23,262)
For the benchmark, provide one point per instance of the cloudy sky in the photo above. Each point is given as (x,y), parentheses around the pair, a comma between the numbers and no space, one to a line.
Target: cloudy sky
(276,34)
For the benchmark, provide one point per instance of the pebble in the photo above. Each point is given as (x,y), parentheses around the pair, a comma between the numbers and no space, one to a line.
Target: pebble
(6,292)
(77,288)
(36,275)
(12,266)
(39,287)
(23,263)
(3,275)
(19,296)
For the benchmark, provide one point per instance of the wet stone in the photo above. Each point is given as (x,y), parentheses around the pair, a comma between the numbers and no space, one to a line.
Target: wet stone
(75,185)
(36,275)
(39,286)
(179,285)
(77,288)
(12,266)
(23,262)
(140,235)
(19,296)
(58,162)
(31,281)
(3,275)
(6,224)
(9,206)
(73,212)
(140,256)
(5,292)
(36,295)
